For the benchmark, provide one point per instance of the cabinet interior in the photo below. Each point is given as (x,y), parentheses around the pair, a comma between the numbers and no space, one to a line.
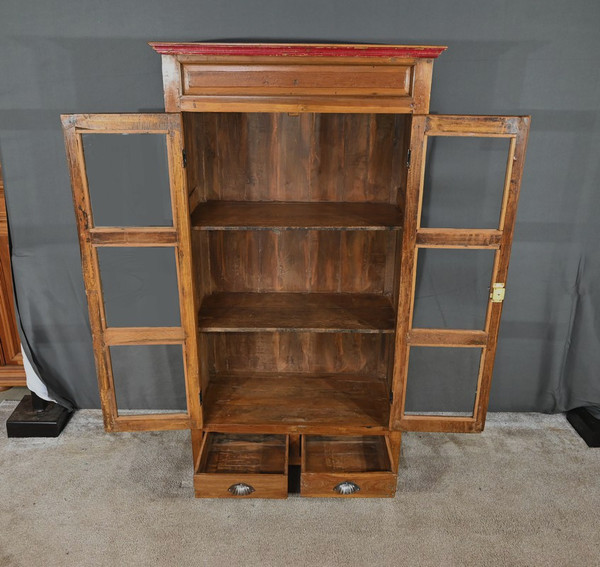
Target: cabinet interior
(296,235)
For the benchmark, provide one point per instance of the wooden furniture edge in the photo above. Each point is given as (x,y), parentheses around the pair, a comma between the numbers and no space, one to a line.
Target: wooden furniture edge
(298,49)
(12,372)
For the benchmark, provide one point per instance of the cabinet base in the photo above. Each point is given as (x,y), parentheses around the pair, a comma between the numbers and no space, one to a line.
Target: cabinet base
(27,421)
(586,425)
(249,465)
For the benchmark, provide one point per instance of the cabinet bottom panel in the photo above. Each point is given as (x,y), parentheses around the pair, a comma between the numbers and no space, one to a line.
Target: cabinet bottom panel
(297,403)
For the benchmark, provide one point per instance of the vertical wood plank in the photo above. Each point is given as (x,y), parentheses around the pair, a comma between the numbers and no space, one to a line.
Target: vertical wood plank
(364,261)
(357,139)
(414,189)
(91,271)
(423,72)
(293,261)
(330,142)
(507,222)
(325,266)
(293,156)
(185,275)
(231,146)
(268,260)
(394,441)
(382,156)
(171,73)
(206,128)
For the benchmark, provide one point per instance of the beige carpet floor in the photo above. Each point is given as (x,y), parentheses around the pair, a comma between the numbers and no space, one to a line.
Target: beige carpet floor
(526,492)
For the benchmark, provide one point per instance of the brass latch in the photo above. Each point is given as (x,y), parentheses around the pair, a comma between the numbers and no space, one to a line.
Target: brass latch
(497,293)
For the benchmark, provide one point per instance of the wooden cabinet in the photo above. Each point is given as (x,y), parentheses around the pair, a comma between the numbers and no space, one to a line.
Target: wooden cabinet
(296,184)
(11,359)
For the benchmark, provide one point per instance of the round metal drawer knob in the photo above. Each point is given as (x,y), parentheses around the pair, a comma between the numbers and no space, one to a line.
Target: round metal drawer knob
(346,487)
(241,489)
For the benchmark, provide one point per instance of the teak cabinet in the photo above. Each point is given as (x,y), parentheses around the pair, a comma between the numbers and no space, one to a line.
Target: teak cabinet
(296,185)
(12,372)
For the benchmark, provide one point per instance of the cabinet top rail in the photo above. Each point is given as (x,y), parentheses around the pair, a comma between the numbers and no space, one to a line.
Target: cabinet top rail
(299,49)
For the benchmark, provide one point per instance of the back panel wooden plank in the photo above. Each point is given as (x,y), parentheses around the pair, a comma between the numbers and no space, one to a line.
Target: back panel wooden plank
(309,353)
(299,260)
(308,157)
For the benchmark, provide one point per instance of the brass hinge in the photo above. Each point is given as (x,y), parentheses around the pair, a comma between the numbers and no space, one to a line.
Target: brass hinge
(497,293)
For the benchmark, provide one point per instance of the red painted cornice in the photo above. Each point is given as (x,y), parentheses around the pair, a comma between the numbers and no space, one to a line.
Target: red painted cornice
(299,49)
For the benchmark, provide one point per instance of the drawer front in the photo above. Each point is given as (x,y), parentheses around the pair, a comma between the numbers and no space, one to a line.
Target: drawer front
(232,465)
(351,485)
(296,80)
(240,486)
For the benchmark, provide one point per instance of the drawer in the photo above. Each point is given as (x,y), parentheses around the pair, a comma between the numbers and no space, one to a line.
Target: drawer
(347,467)
(297,80)
(234,465)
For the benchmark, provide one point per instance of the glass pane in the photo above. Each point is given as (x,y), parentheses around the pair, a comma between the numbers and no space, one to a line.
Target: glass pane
(128,178)
(453,288)
(139,287)
(149,377)
(442,380)
(464,182)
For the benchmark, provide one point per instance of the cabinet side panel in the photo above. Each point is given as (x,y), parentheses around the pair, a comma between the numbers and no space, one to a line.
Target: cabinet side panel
(12,374)
(193,135)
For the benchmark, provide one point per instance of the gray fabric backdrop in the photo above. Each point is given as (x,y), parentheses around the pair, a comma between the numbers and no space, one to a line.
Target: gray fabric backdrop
(504,57)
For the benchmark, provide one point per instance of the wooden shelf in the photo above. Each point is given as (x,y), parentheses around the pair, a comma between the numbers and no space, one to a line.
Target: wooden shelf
(288,403)
(235,215)
(314,312)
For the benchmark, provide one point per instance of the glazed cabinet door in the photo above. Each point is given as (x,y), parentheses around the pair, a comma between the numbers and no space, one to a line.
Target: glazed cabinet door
(455,251)
(128,181)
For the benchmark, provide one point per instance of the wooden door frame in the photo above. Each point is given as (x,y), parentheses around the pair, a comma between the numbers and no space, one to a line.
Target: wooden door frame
(178,236)
(516,129)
